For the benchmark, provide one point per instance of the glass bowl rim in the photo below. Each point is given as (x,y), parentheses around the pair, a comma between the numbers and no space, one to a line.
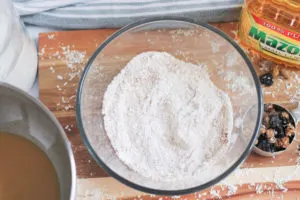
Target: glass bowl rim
(158,191)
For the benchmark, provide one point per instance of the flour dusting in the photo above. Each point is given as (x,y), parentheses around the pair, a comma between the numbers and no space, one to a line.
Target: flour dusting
(165,118)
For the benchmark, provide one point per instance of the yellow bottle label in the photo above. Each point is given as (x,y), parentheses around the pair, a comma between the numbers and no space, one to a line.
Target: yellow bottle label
(270,39)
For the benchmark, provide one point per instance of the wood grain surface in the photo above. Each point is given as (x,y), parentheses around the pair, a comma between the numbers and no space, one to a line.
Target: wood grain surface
(244,193)
(267,191)
(59,75)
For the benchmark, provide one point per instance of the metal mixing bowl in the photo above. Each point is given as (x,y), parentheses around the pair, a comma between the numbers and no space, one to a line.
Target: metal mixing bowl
(27,117)
(229,69)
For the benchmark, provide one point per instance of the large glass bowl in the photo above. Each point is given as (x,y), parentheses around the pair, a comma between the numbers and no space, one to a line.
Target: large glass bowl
(229,69)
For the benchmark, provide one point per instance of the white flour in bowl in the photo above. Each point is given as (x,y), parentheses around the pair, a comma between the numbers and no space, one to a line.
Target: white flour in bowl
(165,118)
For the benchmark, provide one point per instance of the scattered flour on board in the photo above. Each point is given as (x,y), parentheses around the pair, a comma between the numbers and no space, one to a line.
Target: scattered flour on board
(59,77)
(215,193)
(74,60)
(51,36)
(174,112)
(73,57)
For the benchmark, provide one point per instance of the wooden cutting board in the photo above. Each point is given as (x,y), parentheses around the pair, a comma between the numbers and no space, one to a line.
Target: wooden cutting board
(62,57)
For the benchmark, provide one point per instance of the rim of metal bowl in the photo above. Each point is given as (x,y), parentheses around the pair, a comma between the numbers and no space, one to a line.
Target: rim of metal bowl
(63,135)
(158,191)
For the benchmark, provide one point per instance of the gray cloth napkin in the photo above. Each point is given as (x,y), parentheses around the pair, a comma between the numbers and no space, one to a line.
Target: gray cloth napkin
(117,13)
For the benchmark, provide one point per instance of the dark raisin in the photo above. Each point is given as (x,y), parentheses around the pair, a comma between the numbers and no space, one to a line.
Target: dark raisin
(280,132)
(265,146)
(262,137)
(266,79)
(272,148)
(279,149)
(273,114)
(291,139)
(275,121)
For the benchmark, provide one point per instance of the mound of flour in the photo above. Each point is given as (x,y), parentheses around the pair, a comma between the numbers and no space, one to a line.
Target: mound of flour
(165,118)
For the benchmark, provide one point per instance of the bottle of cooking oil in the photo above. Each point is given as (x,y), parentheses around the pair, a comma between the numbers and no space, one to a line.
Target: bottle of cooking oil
(272,28)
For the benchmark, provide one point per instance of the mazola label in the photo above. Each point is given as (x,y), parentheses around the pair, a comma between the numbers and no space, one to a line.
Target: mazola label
(277,46)
(270,39)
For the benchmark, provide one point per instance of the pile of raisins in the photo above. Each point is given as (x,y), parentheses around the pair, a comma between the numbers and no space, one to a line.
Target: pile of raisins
(277,131)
